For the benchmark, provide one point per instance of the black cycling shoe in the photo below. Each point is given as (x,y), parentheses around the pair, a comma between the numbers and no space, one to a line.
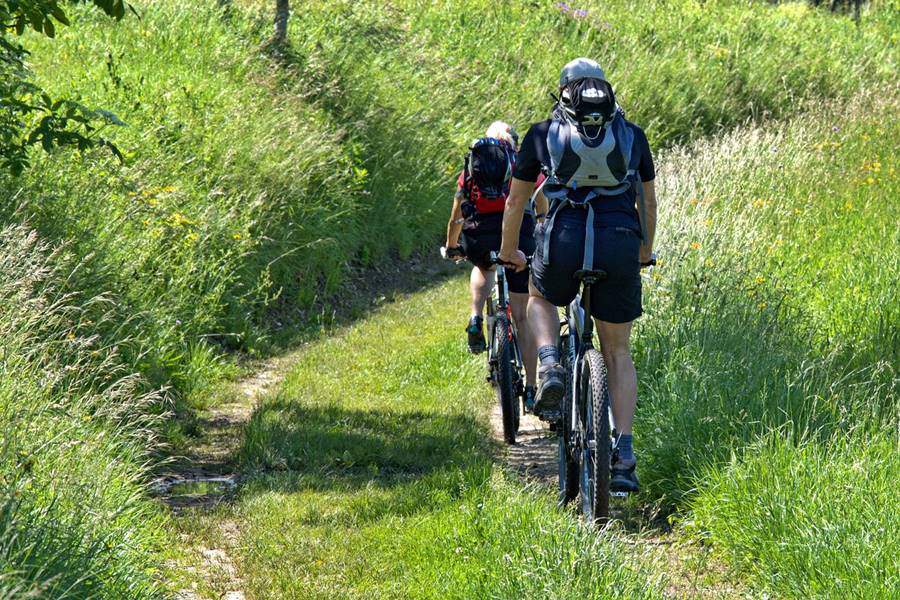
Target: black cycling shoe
(477,344)
(528,399)
(622,477)
(551,389)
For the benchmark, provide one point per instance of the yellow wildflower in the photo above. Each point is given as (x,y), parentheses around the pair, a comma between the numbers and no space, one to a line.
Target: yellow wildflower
(760,279)
(179,220)
(761,305)
(695,245)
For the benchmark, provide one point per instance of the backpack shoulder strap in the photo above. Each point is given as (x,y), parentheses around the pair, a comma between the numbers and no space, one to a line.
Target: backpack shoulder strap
(467,176)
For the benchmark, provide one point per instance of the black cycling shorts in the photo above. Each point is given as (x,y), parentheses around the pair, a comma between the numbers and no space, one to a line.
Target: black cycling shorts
(478,245)
(616,299)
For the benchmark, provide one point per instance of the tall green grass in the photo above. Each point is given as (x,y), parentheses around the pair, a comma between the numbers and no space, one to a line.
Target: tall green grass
(74,440)
(251,182)
(768,357)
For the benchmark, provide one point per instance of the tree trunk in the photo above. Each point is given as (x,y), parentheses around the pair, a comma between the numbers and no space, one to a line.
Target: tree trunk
(282,12)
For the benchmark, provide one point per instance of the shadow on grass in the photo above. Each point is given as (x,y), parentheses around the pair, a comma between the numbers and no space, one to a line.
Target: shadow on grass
(410,461)
(289,435)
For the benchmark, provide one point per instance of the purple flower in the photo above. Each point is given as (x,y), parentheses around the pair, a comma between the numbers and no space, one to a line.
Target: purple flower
(563,6)
(581,13)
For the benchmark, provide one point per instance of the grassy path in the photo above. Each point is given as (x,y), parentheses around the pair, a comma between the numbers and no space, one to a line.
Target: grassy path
(198,483)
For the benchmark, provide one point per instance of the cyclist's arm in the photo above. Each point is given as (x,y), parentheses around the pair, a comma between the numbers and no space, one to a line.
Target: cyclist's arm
(454,227)
(519,195)
(648,219)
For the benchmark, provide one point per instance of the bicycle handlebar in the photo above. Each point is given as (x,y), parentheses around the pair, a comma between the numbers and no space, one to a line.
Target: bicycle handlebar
(651,262)
(452,253)
(494,259)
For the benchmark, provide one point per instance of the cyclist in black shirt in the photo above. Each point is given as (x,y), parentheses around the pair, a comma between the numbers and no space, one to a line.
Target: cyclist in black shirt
(599,161)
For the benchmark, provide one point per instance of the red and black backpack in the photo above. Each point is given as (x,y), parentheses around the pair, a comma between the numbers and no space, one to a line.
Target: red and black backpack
(486,176)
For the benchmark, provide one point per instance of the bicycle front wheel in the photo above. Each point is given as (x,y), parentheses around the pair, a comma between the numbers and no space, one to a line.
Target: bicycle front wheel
(506,384)
(593,401)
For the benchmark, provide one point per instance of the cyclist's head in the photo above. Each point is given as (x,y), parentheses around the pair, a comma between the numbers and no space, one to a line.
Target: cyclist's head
(585,94)
(503,132)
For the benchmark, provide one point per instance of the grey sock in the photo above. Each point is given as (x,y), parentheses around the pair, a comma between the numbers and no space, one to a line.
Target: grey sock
(548,354)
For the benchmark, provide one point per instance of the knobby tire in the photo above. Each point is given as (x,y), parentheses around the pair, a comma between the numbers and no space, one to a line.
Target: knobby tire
(506,382)
(594,402)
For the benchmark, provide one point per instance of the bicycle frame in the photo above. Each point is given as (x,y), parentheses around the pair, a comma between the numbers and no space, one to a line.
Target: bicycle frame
(498,303)
(576,312)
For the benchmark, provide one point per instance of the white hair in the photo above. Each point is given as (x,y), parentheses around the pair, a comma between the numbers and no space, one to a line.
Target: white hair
(501,131)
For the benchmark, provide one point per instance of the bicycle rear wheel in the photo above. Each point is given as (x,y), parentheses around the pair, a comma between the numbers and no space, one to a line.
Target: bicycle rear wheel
(593,401)
(506,382)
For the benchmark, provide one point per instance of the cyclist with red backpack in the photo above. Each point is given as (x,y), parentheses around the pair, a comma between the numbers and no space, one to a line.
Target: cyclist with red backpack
(475,229)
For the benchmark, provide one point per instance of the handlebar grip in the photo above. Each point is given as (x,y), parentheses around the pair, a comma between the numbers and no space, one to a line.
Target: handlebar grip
(651,262)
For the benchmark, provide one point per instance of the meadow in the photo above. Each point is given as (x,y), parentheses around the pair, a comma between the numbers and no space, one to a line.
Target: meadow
(252,185)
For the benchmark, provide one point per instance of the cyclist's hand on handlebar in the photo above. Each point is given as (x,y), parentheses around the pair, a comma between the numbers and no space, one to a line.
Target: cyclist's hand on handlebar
(454,253)
(648,261)
(517,260)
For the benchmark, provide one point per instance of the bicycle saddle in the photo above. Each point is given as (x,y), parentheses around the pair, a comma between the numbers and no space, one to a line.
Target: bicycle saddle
(590,276)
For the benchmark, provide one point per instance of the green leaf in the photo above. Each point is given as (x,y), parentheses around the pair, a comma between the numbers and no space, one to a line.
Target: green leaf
(20,25)
(59,15)
(49,29)
(37,21)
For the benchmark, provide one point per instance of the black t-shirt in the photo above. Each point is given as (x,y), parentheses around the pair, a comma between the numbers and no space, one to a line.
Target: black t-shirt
(620,211)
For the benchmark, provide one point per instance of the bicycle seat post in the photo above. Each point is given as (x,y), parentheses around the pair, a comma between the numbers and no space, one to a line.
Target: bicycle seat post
(588,278)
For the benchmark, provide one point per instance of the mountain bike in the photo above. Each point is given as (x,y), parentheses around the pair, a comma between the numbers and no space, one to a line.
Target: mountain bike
(584,427)
(505,364)
(504,359)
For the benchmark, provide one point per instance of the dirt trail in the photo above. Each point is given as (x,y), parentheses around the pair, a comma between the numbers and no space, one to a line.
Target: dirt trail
(199,482)
(534,454)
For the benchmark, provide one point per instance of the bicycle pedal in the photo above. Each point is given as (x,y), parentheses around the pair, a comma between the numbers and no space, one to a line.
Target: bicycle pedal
(553,416)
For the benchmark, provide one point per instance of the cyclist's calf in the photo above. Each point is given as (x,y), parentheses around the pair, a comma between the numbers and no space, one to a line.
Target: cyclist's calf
(518,305)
